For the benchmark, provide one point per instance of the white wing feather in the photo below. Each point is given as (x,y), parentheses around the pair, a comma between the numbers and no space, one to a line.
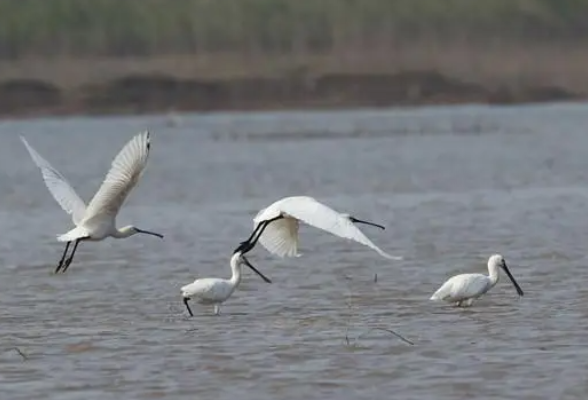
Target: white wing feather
(283,239)
(208,290)
(58,186)
(462,287)
(279,237)
(123,175)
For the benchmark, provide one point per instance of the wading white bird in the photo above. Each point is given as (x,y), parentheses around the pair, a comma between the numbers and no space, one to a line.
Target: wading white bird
(214,291)
(463,289)
(276,226)
(97,221)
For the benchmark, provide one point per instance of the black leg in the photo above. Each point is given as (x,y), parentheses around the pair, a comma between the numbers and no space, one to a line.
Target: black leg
(71,256)
(60,265)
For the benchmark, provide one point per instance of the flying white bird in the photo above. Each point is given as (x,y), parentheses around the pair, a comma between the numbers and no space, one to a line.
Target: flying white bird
(97,221)
(463,289)
(214,291)
(276,226)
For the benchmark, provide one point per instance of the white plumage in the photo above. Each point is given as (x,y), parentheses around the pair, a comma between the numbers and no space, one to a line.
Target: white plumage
(463,289)
(280,237)
(58,186)
(214,291)
(97,221)
(125,171)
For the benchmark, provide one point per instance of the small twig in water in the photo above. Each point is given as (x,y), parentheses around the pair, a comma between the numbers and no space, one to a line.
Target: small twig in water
(405,340)
(347,336)
(23,355)
(349,303)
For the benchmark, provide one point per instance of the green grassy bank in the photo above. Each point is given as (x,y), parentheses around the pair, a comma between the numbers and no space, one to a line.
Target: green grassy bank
(78,56)
(155,27)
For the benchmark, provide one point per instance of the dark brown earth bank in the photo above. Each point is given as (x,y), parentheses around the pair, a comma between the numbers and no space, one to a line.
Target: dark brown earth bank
(148,93)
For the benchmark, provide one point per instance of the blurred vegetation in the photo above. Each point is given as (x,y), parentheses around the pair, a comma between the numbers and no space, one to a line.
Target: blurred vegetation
(146,27)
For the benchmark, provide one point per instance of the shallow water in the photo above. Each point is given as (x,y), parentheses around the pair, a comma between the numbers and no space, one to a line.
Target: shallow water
(453,185)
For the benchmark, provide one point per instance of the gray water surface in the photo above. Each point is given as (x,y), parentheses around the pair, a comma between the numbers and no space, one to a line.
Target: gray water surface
(452,185)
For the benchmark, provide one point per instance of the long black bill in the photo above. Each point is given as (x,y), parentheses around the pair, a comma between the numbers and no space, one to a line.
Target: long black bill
(359,221)
(188,306)
(257,228)
(255,269)
(261,227)
(251,241)
(159,235)
(512,279)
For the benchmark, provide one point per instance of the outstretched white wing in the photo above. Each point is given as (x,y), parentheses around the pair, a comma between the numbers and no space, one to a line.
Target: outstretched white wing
(60,189)
(281,236)
(124,174)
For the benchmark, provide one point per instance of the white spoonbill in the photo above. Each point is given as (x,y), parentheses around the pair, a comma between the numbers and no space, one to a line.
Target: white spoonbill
(463,289)
(277,225)
(214,291)
(97,221)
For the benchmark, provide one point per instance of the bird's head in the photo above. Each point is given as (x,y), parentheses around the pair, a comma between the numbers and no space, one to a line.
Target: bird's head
(497,261)
(244,247)
(240,259)
(131,230)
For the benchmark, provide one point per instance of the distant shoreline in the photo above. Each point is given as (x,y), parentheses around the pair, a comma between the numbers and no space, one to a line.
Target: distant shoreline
(143,94)
(417,75)
(68,57)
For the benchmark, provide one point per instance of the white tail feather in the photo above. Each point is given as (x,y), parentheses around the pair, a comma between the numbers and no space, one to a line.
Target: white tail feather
(74,234)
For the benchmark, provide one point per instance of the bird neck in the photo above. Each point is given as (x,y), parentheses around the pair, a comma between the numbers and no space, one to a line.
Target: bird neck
(493,274)
(124,232)
(236,268)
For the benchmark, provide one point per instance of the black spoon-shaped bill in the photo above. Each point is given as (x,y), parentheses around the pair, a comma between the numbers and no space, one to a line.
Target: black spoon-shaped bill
(512,279)
(255,269)
(186,299)
(159,235)
(360,221)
